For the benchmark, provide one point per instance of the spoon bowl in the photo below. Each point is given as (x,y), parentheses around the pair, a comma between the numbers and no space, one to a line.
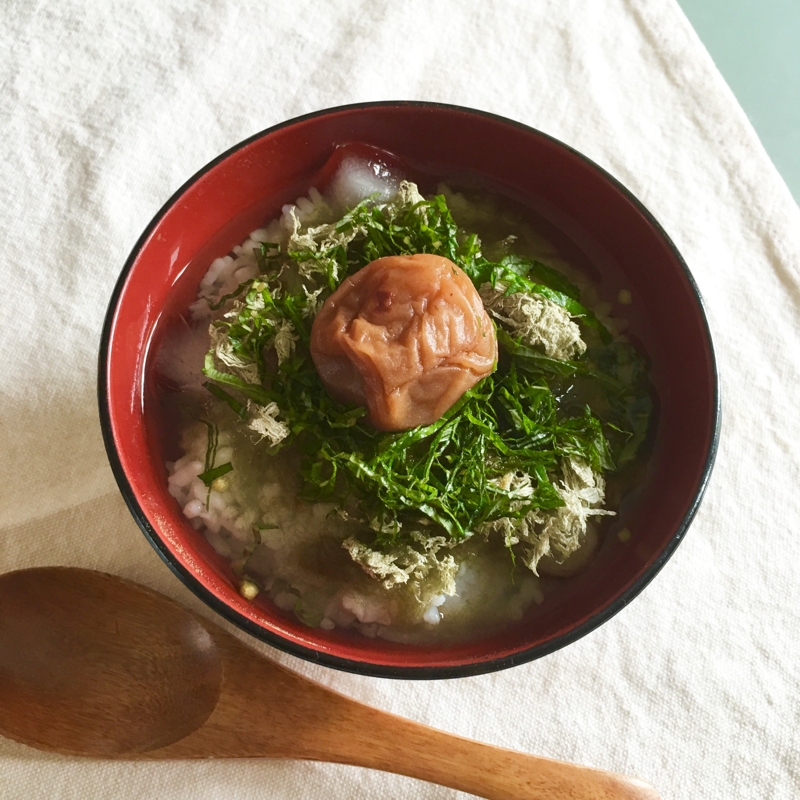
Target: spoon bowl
(69,652)
(94,665)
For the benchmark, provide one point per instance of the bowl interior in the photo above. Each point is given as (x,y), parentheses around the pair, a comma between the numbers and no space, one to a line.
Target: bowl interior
(606,230)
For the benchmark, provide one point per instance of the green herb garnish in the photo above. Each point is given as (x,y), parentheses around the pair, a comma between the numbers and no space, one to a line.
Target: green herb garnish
(495,454)
(210,473)
(232,402)
(209,476)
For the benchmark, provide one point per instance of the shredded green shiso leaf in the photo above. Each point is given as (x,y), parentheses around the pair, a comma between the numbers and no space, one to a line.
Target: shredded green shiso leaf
(497,455)
(211,472)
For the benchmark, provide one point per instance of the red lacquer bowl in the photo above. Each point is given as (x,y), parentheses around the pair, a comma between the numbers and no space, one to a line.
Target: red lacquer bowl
(608,231)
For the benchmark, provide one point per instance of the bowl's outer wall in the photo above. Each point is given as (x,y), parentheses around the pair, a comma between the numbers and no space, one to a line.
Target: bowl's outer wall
(245,187)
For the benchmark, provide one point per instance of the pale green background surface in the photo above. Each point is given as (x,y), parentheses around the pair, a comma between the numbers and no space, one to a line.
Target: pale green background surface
(756,46)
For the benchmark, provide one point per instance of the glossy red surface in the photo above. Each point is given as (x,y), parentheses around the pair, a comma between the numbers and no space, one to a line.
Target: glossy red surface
(610,229)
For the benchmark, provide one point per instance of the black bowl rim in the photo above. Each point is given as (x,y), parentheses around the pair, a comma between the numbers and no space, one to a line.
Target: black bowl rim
(352,665)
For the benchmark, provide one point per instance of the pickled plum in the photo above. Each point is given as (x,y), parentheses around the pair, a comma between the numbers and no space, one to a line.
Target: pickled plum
(405,337)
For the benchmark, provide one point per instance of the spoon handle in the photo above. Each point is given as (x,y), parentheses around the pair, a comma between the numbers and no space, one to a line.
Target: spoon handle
(408,748)
(267,710)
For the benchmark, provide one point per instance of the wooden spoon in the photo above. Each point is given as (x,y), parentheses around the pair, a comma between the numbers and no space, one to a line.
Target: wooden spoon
(94,665)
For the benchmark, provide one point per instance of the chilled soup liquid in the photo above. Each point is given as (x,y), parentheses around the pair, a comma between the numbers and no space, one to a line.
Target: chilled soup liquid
(287,551)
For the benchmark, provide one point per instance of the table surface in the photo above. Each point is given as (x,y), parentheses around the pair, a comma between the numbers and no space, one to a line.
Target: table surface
(109,107)
(754,44)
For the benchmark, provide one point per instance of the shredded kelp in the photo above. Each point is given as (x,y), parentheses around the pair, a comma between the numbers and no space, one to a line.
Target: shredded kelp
(521,455)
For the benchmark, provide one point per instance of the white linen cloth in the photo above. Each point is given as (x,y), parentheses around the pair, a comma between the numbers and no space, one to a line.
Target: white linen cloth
(106,108)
